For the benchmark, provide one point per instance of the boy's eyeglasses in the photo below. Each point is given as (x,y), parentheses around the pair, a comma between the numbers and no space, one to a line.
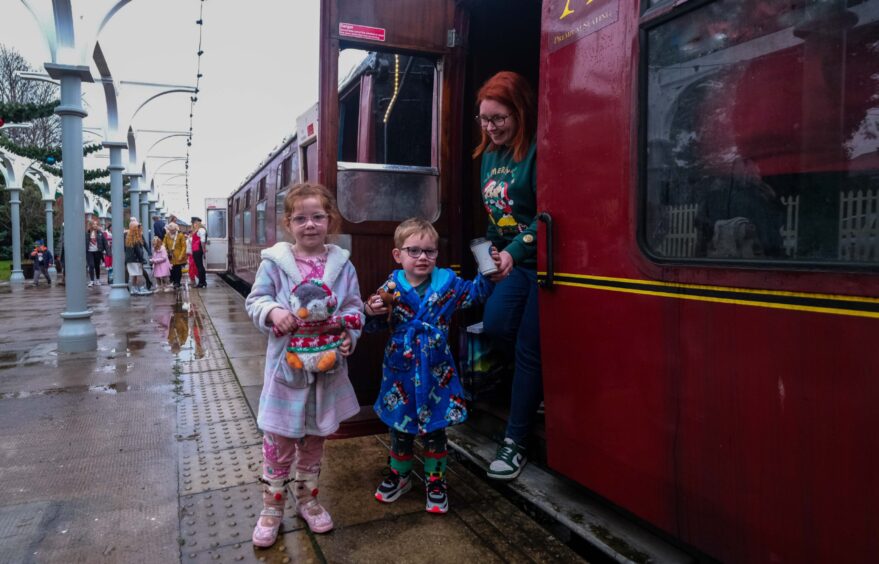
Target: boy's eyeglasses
(317,219)
(497,121)
(415,252)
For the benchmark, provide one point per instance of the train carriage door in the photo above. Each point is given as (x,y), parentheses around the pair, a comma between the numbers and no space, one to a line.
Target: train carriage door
(387,131)
(217,244)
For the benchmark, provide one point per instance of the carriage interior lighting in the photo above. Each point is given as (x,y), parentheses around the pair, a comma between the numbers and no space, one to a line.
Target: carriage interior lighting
(396,87)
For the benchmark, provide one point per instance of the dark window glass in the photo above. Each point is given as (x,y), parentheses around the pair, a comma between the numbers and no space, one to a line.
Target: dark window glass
(261,190)
(763,132)
(280,230)
(248,226)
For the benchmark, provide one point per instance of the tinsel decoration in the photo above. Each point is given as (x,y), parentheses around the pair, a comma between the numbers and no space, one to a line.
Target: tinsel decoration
(43,154)
(13,112)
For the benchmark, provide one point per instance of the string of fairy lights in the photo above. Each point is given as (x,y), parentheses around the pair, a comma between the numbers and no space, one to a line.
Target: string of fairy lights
(194,98)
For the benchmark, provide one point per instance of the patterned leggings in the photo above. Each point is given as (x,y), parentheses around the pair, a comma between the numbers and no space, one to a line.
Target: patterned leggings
(435,452)
(279,454)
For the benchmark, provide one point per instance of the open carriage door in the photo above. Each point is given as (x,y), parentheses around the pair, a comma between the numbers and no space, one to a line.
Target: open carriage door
(386,138)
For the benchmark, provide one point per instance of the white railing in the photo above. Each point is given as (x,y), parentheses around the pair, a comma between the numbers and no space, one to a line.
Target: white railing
(680,240)
(859,225)
(791,224)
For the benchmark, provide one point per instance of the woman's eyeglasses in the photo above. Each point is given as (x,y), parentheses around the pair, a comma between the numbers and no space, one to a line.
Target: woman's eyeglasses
(497,121)
(415,252)
(317,219)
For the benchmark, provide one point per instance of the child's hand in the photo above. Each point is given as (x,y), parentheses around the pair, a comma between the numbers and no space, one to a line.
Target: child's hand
(283,321)
(345,346)
(375,305)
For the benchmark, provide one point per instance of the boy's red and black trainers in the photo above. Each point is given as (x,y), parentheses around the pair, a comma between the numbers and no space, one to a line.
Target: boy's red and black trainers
(437,498)
(393,487)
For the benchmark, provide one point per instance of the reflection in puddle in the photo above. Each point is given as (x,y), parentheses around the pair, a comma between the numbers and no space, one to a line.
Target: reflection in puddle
(185,332)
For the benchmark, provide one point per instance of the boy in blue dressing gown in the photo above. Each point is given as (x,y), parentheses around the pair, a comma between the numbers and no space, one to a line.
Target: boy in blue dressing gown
(420,391)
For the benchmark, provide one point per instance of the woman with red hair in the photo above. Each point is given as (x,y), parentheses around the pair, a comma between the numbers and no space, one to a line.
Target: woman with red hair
(508,117)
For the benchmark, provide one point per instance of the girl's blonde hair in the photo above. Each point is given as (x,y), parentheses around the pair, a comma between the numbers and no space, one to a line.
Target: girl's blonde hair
(157,242)
(134,236)
(327,201)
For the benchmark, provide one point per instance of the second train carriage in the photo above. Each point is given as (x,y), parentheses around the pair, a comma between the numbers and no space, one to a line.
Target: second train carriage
(709,306)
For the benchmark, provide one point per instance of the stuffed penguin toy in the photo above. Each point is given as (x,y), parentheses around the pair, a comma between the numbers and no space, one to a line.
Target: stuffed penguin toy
(313,346)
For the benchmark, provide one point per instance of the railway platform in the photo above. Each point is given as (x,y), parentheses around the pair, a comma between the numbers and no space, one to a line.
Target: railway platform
(147,450)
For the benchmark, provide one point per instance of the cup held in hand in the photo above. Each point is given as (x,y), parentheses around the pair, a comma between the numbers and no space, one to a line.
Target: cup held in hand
(481,249)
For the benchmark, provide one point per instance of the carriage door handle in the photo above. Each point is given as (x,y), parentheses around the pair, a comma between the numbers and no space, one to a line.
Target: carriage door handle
(548,281)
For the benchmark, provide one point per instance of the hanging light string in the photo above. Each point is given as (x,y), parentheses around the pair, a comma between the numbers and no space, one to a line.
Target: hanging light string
(194,98)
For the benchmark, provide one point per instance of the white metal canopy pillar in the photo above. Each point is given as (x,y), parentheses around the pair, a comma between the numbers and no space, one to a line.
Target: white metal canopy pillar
(17,276)
(77,334)
(71,29)
(49,187)
(118,289)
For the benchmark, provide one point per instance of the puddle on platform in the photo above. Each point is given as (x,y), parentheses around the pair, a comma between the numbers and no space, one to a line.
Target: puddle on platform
(110,389)
(185,330)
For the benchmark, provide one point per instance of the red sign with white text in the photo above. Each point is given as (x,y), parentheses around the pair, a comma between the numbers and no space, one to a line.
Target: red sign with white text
(361,31)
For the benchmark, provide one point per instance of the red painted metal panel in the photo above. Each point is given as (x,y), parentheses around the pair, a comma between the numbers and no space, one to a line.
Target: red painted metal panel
(744,431)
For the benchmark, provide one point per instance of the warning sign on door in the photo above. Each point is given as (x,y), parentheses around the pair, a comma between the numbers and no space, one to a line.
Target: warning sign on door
(361,32)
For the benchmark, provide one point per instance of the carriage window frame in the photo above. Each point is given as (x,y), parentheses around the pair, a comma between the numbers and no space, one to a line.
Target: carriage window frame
(654,14)
(384,178)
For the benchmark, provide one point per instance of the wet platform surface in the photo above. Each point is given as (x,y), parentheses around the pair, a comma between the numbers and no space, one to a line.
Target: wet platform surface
(147,450)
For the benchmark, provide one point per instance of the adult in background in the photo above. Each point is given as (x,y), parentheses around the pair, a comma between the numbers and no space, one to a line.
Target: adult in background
(507,114)
(175,244)
(96,246)
(198,241)
(158,227)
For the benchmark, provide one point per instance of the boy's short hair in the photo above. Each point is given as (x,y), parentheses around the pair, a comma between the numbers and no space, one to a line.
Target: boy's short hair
(414,226)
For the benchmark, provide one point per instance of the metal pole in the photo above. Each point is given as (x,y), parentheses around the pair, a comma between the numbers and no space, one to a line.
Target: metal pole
(134,197)
(77,334)
(17,276)
(50,233)
(119,289)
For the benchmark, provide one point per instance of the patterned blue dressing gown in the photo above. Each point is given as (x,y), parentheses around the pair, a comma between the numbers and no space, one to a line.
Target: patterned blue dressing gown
(420,390)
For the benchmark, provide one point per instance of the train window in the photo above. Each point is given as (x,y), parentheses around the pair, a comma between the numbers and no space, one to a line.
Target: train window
(280,231)
(388,112)
(216,223)
(762,133)
(248,226)
(236,227)
(261,189)
(261,222)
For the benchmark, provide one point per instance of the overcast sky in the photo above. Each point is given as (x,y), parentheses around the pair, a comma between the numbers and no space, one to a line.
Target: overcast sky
(260,67)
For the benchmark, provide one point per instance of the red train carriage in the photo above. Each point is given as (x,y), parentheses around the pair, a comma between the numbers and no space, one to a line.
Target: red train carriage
(710,181)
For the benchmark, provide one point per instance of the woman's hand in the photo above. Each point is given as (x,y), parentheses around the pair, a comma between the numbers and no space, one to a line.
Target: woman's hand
(504,263)
(283,321)
(345,346)
(375,306)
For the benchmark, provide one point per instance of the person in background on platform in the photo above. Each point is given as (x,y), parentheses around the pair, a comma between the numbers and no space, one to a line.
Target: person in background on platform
(420,391)
(299,409)
(190,269)
(175,244)
(96,245)
(135,258)
(41,257)
(158,227)
(508,117)
(161,265)
(199,235)
(108,256)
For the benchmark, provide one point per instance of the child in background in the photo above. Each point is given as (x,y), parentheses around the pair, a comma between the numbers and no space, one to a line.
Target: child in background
(299,409)
(161,265)
(420,391)
(108,256)
(42,259)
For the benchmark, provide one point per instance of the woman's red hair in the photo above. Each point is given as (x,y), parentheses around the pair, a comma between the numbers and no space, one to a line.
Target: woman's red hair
(513,91)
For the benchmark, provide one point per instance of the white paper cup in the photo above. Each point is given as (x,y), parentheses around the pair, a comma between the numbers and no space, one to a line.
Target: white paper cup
(481,249)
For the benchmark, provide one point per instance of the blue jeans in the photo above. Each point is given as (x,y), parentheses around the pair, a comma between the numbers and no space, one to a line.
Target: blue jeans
(511,321)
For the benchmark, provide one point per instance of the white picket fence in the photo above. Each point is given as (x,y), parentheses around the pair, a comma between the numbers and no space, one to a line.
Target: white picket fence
(791,224)
(859,226)
(680,239)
